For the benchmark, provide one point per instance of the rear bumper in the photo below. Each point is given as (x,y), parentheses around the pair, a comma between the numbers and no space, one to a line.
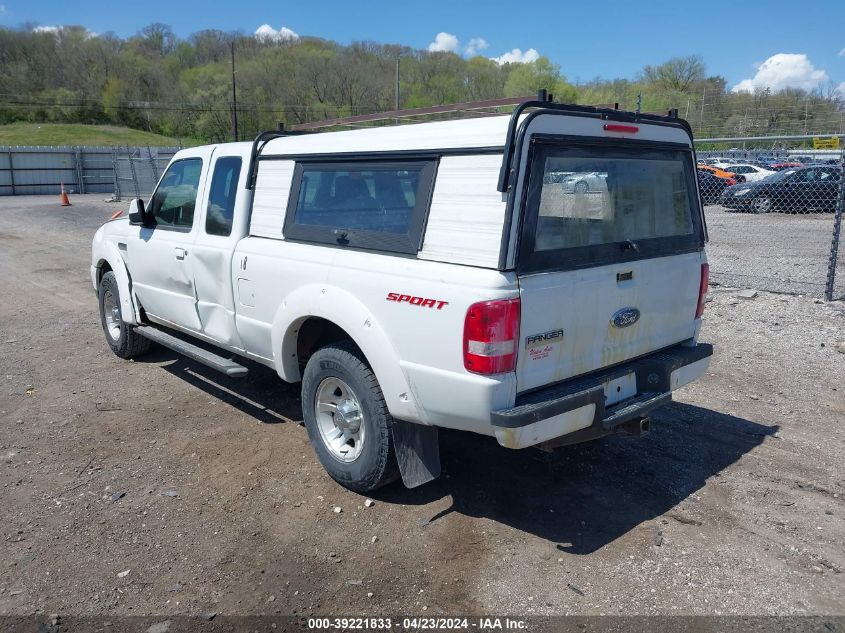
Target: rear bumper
(575,411)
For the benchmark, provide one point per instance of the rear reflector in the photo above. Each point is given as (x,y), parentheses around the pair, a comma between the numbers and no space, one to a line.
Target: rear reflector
(491,332)
(702,289)
(614,127)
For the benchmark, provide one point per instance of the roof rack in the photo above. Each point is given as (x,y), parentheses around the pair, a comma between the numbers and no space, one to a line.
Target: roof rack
(544,103)
(258,144)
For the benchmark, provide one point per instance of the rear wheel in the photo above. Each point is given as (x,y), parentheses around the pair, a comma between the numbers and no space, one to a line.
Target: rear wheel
(762,204)
(347,419)
(121,337)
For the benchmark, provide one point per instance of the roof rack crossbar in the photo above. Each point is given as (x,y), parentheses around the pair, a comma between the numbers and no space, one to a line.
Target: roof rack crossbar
(508,169)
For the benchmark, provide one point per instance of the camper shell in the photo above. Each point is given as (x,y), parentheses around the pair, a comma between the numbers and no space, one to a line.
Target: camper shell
(446,261)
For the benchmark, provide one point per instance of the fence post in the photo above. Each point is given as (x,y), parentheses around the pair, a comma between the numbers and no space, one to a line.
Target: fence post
(837,231)
(11,172)
(132,169)
(153,165)
(80,182)
(115,172)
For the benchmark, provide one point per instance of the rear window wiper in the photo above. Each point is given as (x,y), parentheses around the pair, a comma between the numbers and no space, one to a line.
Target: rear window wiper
(630,245)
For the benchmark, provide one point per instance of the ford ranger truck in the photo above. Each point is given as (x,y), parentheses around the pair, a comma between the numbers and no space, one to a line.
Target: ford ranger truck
(437,275)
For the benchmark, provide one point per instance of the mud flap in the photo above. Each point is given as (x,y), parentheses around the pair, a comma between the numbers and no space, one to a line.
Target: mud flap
(417,451)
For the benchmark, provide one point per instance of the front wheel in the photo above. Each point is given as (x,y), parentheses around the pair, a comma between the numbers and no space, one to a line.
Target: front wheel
(122,338)
(347,419)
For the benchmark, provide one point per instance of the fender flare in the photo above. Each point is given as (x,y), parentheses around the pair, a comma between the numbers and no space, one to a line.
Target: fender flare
(348,313)
(108,252)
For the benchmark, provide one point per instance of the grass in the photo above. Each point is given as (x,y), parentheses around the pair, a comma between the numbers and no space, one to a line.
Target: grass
(79,134)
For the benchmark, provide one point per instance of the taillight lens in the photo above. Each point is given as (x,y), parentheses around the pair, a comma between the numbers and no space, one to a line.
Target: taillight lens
(491,333)
(702,289)
(731,182)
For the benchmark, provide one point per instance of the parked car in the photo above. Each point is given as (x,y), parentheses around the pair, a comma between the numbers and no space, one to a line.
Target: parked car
(711,186)
(410,278)
(722,173)
(784,165)
(750,172)
(584,182)
(802,189)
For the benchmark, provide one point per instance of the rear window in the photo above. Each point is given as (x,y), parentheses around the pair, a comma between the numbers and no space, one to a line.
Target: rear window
(596,204)
(372,205)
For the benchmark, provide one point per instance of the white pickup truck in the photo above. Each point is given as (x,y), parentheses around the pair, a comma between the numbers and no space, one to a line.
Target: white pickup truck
(429,275)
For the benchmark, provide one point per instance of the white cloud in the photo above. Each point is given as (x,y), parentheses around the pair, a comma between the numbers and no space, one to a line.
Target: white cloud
(47,29)
(842,53)
(516,56)
(475,46)
(784,70)
(444,42)
(267,33)
(841,89)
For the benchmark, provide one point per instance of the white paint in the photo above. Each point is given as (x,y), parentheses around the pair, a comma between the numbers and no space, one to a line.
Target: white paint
(250,294)
(467,212)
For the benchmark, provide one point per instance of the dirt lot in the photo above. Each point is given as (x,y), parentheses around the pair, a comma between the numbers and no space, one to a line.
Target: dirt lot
(159,487)
(782,252)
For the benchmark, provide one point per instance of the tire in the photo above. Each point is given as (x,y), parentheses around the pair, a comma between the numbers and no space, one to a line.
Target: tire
(762,204)
(121,337)
(581,187)
(356,446)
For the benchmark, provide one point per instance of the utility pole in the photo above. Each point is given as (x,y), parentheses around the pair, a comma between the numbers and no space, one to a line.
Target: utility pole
(396,103)
(234,99)
(806,106)
(701,116)
(396,94)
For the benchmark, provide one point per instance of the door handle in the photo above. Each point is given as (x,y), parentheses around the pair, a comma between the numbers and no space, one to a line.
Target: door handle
(180,253)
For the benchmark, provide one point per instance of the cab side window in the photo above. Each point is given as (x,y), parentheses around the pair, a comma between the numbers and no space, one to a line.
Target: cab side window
(221,199)
(173,202)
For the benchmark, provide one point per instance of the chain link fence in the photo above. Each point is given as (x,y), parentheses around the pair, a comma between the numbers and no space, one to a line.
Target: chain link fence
(137,170)
(774,211)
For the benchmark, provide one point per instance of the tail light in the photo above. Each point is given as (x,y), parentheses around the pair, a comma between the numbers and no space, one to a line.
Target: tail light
(731,182)
(491,332)
(702,289)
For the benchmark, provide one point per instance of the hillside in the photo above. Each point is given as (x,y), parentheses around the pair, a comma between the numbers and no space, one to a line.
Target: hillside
(183,87)
(79,134)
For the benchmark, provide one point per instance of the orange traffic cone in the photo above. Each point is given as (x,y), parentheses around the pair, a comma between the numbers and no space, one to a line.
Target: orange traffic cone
(63,197)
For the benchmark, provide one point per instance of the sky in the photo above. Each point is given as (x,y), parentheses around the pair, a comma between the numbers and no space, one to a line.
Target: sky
(776,43)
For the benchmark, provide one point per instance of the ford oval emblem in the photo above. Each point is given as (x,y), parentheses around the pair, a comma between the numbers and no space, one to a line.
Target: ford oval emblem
(625,317)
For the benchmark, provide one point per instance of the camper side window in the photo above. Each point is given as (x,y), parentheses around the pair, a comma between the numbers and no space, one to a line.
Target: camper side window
(371,205)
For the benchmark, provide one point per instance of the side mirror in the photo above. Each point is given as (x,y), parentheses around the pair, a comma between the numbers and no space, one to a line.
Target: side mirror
(137,213)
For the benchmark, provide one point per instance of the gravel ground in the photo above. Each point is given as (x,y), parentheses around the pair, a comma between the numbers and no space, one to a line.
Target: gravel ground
(778,252)
(156,487)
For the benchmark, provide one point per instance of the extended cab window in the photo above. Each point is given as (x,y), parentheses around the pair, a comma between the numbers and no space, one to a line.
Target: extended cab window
(595,204)
(221,198)
(174,200)
(372,205)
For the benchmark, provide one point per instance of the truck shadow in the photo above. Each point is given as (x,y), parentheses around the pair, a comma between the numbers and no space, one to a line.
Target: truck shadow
(580,497)
(585,496)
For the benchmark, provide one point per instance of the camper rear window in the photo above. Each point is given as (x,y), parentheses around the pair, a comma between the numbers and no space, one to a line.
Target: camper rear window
(378,205)
(595,204)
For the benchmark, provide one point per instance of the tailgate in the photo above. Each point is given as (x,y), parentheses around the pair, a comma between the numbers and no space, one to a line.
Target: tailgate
(578,321)
(610,249)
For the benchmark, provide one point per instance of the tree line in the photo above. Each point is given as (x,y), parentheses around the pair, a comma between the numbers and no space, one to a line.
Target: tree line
(182,88)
